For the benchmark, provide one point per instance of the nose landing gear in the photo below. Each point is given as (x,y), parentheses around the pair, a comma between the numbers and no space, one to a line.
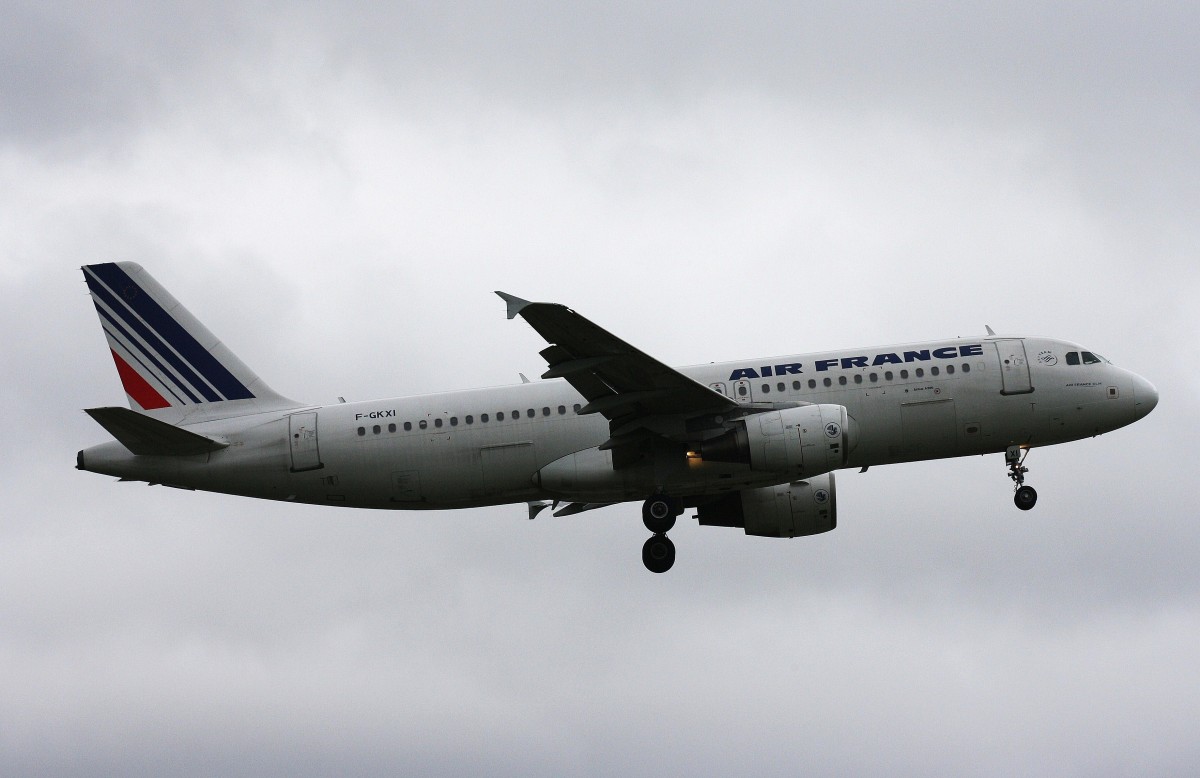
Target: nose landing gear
(658,514)
(1026,496)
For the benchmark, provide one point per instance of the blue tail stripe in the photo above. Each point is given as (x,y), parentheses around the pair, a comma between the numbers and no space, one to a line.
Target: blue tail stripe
(175,335)
(134,344)
(179,338)
(153,341)
(171,330)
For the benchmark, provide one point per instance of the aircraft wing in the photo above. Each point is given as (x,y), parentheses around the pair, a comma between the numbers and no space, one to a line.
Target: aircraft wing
(621,383)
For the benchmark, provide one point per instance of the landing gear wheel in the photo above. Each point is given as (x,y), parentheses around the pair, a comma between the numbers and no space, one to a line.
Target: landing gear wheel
(658,554)
(658,514)
(1025,498)
(1014,457)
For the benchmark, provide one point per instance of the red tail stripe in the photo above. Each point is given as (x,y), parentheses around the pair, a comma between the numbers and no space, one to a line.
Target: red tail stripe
(136,387)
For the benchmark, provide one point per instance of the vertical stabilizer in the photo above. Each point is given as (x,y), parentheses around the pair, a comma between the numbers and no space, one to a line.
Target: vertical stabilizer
(169,363)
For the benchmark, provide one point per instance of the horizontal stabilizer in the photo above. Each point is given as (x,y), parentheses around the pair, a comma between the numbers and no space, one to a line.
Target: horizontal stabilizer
(146,436)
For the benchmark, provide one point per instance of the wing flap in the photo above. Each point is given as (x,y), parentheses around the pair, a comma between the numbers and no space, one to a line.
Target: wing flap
(146,436)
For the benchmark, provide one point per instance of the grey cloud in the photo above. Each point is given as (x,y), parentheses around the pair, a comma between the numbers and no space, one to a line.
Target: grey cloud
(337,191)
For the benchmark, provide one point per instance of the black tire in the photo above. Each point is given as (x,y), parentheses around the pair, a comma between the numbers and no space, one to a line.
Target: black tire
(1025,498)
(658,554)
(658,514)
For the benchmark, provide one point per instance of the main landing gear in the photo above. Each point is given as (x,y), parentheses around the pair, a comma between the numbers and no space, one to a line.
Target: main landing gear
(658,514)
(1025,497)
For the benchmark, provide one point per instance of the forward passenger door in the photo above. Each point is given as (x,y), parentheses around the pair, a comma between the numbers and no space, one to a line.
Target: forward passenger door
(1014,367)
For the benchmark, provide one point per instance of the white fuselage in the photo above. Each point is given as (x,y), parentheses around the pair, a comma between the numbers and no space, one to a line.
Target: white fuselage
(528,442)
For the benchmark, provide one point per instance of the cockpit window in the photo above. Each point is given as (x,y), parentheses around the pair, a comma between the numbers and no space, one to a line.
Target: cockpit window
(1092,359)
(1072,357)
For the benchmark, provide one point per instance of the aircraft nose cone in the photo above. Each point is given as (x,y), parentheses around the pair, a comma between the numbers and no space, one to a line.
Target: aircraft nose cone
(1145,396)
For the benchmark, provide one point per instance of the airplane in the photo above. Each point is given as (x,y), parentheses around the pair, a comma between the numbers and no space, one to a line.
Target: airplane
(751,444)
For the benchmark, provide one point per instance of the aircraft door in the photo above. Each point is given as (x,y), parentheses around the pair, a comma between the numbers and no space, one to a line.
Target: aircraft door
(1014,367)
(406,486)
(741,391)
(302,437)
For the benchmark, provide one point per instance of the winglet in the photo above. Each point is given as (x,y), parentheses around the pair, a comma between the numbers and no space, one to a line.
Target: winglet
(990,331)
(515,304)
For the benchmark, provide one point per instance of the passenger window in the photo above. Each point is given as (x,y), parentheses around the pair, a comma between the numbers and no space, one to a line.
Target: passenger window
(841,380)
(966,367)
(1072,357)
(812,383)
(362,431)
(469,419)
(888,375)
(562,410)
(408,426)
(453,421)
(782,387)
(903,375)
(796,386)
(530,413)
(483,418)
(375,430)
(577,407)
(766,388)
(934,370)
(516,415)
(858,378)
(423,424)
(1091,359)
(546,411)
(827,382)
(391,428)
(742,390)
(949,369)
(920,373)
(437,422)
(874,377)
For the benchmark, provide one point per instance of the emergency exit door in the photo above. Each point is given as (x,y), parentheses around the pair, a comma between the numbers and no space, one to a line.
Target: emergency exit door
(1014,367)
(302,436)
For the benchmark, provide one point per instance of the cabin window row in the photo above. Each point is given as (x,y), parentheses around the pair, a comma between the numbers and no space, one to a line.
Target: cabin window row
(469,419)
(873,378)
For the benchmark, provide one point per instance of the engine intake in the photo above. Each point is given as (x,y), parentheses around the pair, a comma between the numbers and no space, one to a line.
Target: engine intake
(796,442)
(783,511)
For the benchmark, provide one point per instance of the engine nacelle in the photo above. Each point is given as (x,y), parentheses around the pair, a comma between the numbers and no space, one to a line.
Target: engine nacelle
(796,442)
(806,507)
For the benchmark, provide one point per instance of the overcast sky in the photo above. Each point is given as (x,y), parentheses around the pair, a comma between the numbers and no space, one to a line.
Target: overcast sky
(337,190)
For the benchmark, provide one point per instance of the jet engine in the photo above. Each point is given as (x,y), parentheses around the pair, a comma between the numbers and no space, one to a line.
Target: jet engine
(796,442)
(806,507)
